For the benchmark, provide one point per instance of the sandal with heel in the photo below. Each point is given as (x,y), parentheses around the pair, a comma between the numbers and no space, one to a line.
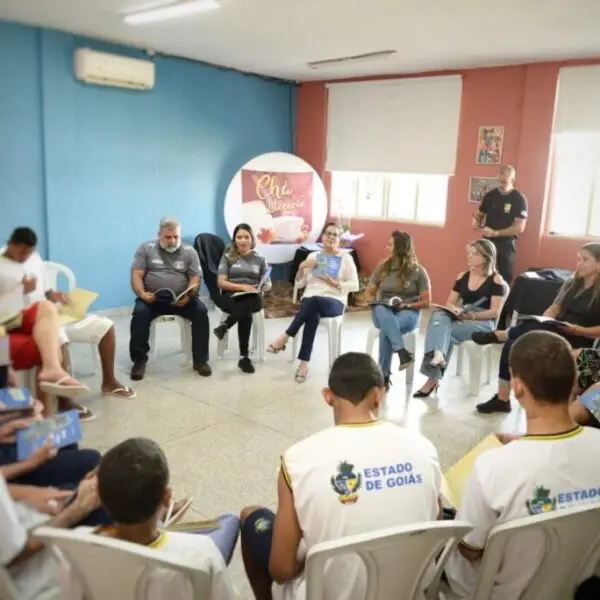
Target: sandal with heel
(273,350)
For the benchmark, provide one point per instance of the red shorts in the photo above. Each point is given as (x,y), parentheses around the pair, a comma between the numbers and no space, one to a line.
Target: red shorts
(24,353)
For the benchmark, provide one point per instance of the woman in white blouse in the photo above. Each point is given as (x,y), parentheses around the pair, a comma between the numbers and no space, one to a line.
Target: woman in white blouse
(327,276)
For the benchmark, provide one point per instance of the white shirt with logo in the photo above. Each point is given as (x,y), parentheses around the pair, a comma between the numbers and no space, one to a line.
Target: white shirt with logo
(353,479)
(534,475)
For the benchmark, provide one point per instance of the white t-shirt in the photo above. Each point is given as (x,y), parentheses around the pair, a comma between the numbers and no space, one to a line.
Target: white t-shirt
(354,479)
(164,583)
(533,475)
(34,266)
(39,574)
(347,277)
(12,301)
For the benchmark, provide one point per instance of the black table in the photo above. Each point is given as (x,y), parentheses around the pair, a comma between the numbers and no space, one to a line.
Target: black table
(531,294)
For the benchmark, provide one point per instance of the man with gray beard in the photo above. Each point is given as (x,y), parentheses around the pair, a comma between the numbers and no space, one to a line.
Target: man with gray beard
(165,277)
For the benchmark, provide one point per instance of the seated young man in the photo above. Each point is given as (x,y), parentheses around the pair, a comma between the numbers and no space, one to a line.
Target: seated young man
(358,476)
(94,329)
(550,468)
(133,483)
(33,331)
(33,568)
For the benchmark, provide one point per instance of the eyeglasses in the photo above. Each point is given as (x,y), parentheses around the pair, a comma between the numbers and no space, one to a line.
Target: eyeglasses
(332,234)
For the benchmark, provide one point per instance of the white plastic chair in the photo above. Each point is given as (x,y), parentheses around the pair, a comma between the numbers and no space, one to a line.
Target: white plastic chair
(479,356)
(410,341)
(334,326)
(185,328)
(7,587)
(52,272)
(258,335)
(109,568)
(398,560)
(570,539)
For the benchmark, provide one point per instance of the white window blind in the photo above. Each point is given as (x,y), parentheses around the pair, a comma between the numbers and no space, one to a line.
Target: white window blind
(394,126)
(578,100)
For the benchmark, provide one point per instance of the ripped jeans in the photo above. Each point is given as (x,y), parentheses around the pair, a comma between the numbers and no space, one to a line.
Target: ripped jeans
(442,333)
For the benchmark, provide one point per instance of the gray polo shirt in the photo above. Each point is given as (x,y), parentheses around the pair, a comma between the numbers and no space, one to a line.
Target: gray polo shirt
(162,269)
(389,287)
(245,270)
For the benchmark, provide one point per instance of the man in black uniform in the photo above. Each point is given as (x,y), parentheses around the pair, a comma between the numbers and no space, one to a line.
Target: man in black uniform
(502,216)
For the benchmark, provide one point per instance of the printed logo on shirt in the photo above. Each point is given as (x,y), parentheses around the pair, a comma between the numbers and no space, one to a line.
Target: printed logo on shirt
(541,502)
(261,525)
(346,483)
(157,261)
(573,496)
(523,214)
(256,268)
(178,264)
(391,476)
(507,207)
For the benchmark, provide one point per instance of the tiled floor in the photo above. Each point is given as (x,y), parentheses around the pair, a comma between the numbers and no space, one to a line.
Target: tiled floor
(223,435)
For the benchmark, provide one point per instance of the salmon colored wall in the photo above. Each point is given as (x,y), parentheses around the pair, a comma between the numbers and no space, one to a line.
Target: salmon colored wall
(519,97)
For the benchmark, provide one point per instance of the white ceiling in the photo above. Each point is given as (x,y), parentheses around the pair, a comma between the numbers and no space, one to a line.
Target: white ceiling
(278,37)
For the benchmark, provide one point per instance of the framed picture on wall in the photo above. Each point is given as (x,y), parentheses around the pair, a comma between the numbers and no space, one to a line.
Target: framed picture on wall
(480,186)
(489,145)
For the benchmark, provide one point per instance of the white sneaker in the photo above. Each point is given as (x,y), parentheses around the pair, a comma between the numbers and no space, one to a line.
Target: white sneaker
(437,359)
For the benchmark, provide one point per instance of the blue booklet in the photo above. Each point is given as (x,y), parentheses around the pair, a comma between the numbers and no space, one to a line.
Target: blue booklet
(327,265)
(15,399)
(591,399)
(64,429)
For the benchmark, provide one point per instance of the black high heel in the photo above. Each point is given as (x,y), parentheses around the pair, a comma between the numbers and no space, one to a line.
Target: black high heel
(422,394)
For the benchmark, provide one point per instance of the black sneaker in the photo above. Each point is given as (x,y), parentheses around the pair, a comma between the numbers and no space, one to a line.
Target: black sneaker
(203,369)
(406,359)
(245,364)
(387,382)
(494,405)
(220,331)
(138,370)
(483,338)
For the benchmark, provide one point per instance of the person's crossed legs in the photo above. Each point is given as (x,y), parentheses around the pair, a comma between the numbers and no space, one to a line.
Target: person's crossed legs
(35,343)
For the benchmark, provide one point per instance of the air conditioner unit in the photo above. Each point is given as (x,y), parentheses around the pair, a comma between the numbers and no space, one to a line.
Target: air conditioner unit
(109,69)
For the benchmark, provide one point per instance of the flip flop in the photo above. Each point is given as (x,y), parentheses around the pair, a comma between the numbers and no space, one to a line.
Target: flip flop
(130,393)
(85,414)
(55,388)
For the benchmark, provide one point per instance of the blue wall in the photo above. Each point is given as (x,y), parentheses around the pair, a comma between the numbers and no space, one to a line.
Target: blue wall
(93,169)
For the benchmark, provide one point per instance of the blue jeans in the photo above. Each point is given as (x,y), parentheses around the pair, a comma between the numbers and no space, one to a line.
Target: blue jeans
(226,535)
(312,310)
(392,327)
(442,333)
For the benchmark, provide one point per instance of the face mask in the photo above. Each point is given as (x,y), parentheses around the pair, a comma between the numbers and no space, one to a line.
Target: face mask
(170,249)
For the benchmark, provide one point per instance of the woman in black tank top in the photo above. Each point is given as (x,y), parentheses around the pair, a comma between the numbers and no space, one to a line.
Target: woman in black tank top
(473,306)
(577,304)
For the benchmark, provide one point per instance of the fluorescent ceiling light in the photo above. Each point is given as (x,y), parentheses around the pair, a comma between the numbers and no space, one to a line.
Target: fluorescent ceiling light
(334,62)
(171,11)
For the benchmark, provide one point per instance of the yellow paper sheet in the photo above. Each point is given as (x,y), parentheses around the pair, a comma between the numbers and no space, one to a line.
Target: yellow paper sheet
(194,525)
(455,478)
(79,303)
